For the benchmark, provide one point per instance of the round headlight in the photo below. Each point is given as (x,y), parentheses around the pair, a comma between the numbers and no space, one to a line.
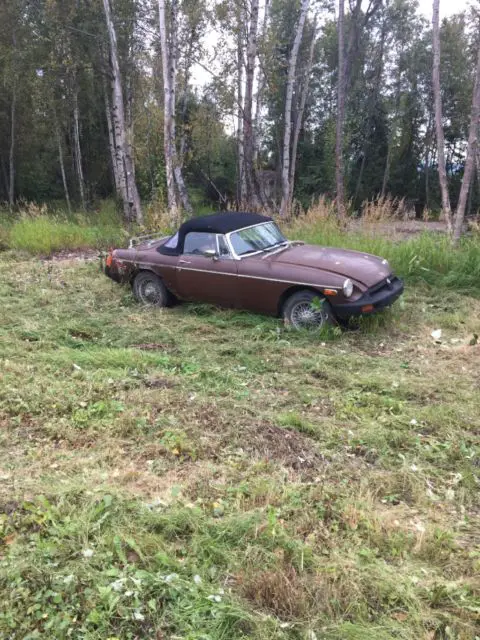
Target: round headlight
(347,288)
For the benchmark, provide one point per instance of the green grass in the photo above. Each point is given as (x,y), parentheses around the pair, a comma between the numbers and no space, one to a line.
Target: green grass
(196,473)
(37,230)
(423,258)
(427,257)
(43,235)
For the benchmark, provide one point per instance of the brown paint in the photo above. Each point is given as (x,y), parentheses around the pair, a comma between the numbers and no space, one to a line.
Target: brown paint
(260,282)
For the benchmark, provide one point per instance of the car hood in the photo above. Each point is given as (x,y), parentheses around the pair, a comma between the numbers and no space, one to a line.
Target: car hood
(361,267)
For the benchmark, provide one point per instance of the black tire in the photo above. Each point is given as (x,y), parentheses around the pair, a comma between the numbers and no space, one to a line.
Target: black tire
(149,289)
(301,312)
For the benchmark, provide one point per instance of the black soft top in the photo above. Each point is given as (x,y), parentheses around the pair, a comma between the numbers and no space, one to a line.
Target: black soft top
(223,222)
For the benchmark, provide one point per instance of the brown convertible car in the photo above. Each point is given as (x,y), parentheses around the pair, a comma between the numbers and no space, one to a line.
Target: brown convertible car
(243,260)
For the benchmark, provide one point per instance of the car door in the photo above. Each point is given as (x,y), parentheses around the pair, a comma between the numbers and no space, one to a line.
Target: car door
(207,278)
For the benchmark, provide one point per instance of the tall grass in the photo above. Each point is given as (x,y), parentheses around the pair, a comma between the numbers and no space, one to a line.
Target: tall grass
(39,230)
(44,235)
(426,257)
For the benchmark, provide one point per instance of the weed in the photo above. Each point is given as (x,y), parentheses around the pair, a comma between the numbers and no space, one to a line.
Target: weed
(204,473)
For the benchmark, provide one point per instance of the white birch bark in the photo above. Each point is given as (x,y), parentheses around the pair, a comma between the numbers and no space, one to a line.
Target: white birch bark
(248,136)
(11,154)
(126,173)
(301,110)
(76,146)
(442,172)
(287,133)
(471,155)
(62,165)
(260,89)
(111,141)
(167,117)
(342,72)
(241,184)
(173,54)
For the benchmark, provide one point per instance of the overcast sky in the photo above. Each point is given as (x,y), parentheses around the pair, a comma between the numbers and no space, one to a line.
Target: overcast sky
(447,7)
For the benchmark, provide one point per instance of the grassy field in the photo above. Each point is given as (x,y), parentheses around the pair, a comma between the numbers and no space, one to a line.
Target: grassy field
(202,474)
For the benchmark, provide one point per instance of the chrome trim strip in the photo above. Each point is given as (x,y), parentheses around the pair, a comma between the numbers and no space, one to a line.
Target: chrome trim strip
(241,275)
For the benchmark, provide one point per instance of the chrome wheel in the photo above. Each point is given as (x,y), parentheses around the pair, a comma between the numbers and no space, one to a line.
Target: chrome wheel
(150,290)
(303,315)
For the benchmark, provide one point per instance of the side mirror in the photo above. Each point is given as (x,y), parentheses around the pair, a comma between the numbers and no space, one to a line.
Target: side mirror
(211,253)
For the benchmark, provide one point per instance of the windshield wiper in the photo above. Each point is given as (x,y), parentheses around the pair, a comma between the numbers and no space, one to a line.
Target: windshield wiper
(276,248)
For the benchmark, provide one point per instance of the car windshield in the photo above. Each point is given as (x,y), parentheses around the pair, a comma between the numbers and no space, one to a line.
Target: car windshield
(261,237)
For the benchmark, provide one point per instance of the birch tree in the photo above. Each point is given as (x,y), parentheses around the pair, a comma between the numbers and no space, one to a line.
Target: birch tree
(471,155)
(241,180)
(253,195)
(287,133)
(169,51)
(77,146)
(300,110)
(442,172)
(127,187)
(339,166)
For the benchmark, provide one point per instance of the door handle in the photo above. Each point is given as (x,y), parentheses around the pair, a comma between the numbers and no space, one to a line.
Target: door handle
(184,262)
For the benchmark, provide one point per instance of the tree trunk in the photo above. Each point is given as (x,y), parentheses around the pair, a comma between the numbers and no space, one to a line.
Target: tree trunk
(77,147)
(126,173)
(11,155)
(241,185)
(62,165)
(339,167)
(248,135)
(172,58)
(260,90)
(111,142)
(287,132)
(129,118)
(167,118)
(471,154)
(4,176)
(300,112)
(442,173)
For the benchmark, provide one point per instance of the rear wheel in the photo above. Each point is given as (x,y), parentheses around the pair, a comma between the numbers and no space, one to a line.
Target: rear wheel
(149,289)
(307,310)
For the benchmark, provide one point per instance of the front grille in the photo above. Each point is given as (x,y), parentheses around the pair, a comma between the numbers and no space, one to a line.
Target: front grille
(386,283)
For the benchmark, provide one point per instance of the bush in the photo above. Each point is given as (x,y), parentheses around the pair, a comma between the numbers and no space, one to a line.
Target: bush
(45,235)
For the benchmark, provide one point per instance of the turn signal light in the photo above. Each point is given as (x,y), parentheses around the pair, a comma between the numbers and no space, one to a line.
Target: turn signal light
(330,292)
(367,307)
(109,260)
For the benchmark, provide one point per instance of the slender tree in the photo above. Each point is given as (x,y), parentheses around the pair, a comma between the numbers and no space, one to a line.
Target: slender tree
(471,155)
(341,81)
(253,196)
(11,154)
(303,90)
(241,179)
(287,133)
(126,173)
(442,172)
(169,51)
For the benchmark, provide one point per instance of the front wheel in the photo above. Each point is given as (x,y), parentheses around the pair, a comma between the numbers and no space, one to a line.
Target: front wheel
(307,310)
(149,289)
